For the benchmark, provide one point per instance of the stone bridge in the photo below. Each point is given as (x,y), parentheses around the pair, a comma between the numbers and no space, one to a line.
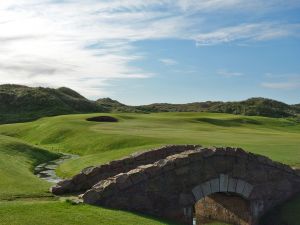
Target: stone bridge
(182,182)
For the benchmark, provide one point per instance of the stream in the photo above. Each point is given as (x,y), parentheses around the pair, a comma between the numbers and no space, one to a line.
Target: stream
(46,171)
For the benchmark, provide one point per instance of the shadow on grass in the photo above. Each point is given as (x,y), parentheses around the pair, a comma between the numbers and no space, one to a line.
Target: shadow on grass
(229,122)
(145,216)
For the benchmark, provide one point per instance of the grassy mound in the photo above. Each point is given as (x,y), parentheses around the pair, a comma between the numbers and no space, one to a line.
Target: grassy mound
(17,160)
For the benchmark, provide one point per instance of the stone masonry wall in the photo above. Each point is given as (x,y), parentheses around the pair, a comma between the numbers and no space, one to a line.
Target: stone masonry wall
(170,187)
(231,209)
(92,175)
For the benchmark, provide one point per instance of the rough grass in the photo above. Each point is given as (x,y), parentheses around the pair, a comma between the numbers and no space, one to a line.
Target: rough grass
(23,145)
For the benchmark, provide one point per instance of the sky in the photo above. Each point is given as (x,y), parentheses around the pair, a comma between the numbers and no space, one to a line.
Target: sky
(140,52)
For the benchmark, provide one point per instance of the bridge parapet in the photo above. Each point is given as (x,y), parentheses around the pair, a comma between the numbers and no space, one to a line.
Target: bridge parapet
(92,175)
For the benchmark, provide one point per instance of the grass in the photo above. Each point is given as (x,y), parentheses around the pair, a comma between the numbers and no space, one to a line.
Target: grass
(16,163)
(100,142)
(24,145)
(55,212)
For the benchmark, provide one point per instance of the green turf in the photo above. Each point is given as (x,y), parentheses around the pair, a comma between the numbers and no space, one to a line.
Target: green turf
(16,163)
(23,145)
(100,142)
(58,213)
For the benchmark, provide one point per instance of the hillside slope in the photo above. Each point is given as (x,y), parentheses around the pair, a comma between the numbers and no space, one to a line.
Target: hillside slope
(111,105)
(21,103)
(256,107)
(249,107)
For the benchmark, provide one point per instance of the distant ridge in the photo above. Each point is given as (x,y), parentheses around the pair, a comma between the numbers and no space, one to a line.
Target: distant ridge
(250,107)
(19,103)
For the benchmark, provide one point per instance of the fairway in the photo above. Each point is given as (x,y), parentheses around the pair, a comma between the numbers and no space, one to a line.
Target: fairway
(24,145)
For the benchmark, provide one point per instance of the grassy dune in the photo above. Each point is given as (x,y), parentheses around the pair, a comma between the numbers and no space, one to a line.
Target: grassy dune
(26,144)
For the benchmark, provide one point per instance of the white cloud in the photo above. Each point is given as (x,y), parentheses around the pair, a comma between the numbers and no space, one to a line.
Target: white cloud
(168,62)
(282,85)
(86,44)
(248,32)
(282,81)
(228,74)
(236,5)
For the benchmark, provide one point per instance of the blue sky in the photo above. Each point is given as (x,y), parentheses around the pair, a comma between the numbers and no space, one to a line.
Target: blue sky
(141,52)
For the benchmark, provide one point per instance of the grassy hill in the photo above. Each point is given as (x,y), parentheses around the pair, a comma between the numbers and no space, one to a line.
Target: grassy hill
(21,103)
(296,108)
(111,105)
(23,145)
(256,107)
(250,107)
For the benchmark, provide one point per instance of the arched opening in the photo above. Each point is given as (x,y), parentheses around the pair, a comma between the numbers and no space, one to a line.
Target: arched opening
(223,199)
(223,207)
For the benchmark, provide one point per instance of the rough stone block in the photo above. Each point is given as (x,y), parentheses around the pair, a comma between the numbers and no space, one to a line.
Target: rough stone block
(206,188)
(232,185)
(88,170)
(209,170)
(215,185)
(168,167)
(182,160)
(123,181)
(90,197)
(207,152)
(186,199)
(197,191)
(224,179)
(182,170)
(137,175)
(240,186)
(247,190)
(79,178)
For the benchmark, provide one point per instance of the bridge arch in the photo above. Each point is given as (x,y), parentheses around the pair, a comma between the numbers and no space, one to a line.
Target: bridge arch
(225,184)
(227,196)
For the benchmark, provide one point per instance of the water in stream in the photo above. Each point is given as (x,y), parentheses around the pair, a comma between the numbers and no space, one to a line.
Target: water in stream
(46,171)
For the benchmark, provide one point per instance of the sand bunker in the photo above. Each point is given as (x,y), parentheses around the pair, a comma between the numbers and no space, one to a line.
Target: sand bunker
(102,119)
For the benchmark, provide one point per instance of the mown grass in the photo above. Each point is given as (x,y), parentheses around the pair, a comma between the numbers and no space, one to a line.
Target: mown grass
(97,143)
(23,145)
(16,169)
(58,213)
